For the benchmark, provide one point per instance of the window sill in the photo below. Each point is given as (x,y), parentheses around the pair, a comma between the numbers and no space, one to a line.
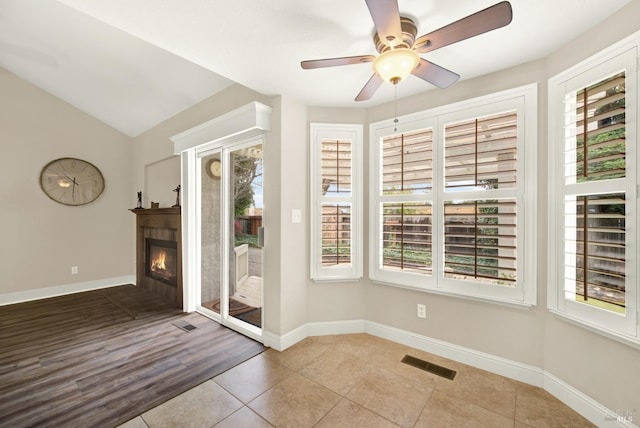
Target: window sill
(335,280)
(624,339)
(482,299)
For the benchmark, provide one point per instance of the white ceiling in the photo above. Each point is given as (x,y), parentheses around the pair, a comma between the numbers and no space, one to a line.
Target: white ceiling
(135,63)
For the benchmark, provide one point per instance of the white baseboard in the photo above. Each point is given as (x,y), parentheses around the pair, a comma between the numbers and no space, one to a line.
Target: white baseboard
(280,343)
(60,290)
(589,408)
(494,364)
(521,372)
(336,327)
(586,406)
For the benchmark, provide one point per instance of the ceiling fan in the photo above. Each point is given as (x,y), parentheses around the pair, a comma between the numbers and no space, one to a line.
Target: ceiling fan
(399,49)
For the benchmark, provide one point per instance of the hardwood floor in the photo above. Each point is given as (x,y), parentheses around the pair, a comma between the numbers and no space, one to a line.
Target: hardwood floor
(103,357)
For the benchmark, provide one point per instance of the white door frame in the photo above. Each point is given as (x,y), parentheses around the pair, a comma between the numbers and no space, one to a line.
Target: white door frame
(246,125)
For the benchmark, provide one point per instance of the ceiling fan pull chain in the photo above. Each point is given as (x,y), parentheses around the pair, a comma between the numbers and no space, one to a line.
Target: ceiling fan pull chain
(395,109)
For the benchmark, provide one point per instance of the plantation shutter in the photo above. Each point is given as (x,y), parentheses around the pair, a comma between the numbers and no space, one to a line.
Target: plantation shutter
(600,119)
(480,237)
(595,222)
(336,167)
(480,240)
(407,163)
(336,179)
(405,238)
(481,153)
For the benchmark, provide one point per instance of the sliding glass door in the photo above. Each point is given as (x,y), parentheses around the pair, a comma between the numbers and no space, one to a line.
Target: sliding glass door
(231,251)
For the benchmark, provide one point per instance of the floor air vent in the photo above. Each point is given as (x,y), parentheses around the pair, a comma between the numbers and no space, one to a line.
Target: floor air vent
(429,367)
(185,326)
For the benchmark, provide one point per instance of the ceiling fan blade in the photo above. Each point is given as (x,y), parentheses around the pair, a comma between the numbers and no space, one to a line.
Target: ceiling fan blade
(386,18)
(491,18)
(370,88)
(333,62)
(434,74)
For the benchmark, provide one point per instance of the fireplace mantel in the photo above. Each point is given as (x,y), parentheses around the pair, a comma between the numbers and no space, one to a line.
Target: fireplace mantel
(164,224)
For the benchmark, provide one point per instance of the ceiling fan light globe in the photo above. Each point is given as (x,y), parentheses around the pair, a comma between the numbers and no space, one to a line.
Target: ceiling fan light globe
(395,65)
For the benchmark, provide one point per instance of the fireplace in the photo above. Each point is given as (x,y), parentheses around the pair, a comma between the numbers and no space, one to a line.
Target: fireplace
(161,260)
(158,252)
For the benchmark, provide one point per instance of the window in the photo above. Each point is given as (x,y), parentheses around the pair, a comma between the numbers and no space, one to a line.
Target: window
(336,201)
(448,191)
(593,202)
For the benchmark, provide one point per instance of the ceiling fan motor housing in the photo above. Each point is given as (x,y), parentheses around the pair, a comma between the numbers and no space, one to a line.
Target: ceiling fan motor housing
(409,32)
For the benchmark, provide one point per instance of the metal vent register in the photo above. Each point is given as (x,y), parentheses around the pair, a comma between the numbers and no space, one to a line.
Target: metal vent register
(429,367)
(184,325)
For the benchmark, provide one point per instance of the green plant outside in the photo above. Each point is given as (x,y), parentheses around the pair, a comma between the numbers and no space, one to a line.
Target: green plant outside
(334,250)
(251,240)
(419,257)
(616,166)
(600,304)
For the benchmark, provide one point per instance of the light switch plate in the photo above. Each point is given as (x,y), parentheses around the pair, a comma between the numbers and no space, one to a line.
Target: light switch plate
(296,215)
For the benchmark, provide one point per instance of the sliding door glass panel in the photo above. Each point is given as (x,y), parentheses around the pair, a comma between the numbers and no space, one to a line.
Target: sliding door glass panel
(245,259)
(210,233)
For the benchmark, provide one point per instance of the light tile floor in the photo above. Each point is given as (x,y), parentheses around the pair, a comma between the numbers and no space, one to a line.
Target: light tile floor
(357,381)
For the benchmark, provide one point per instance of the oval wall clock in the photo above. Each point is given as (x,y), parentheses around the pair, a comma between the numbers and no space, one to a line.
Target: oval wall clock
(214,169)
(71,181)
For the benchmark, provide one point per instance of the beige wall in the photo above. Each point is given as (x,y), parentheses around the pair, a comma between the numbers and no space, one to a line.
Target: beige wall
(153,150)
(294,251)
(41,238)
(160,180)
(271,221)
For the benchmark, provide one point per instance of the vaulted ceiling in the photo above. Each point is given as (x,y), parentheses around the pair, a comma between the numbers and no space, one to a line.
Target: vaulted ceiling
(134,63)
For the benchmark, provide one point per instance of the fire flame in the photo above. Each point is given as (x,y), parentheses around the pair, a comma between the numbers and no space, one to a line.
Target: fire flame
(158,262)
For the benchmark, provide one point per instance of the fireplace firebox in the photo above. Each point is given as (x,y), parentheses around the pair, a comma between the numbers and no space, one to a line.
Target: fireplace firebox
(161,260)
(159,252)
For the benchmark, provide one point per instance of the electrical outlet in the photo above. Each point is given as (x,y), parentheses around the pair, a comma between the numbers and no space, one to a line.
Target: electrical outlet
(74,270)
(422,311)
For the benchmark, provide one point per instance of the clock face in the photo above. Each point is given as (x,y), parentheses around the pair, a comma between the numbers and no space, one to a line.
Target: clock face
(215,168)
(71,181)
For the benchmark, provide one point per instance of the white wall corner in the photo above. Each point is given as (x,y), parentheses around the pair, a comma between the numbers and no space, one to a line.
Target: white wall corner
(61,290)
(280,343)
(336,327)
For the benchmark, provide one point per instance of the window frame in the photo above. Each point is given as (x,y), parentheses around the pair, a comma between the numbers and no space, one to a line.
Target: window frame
(522,99)
(621,56)
(331,131)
